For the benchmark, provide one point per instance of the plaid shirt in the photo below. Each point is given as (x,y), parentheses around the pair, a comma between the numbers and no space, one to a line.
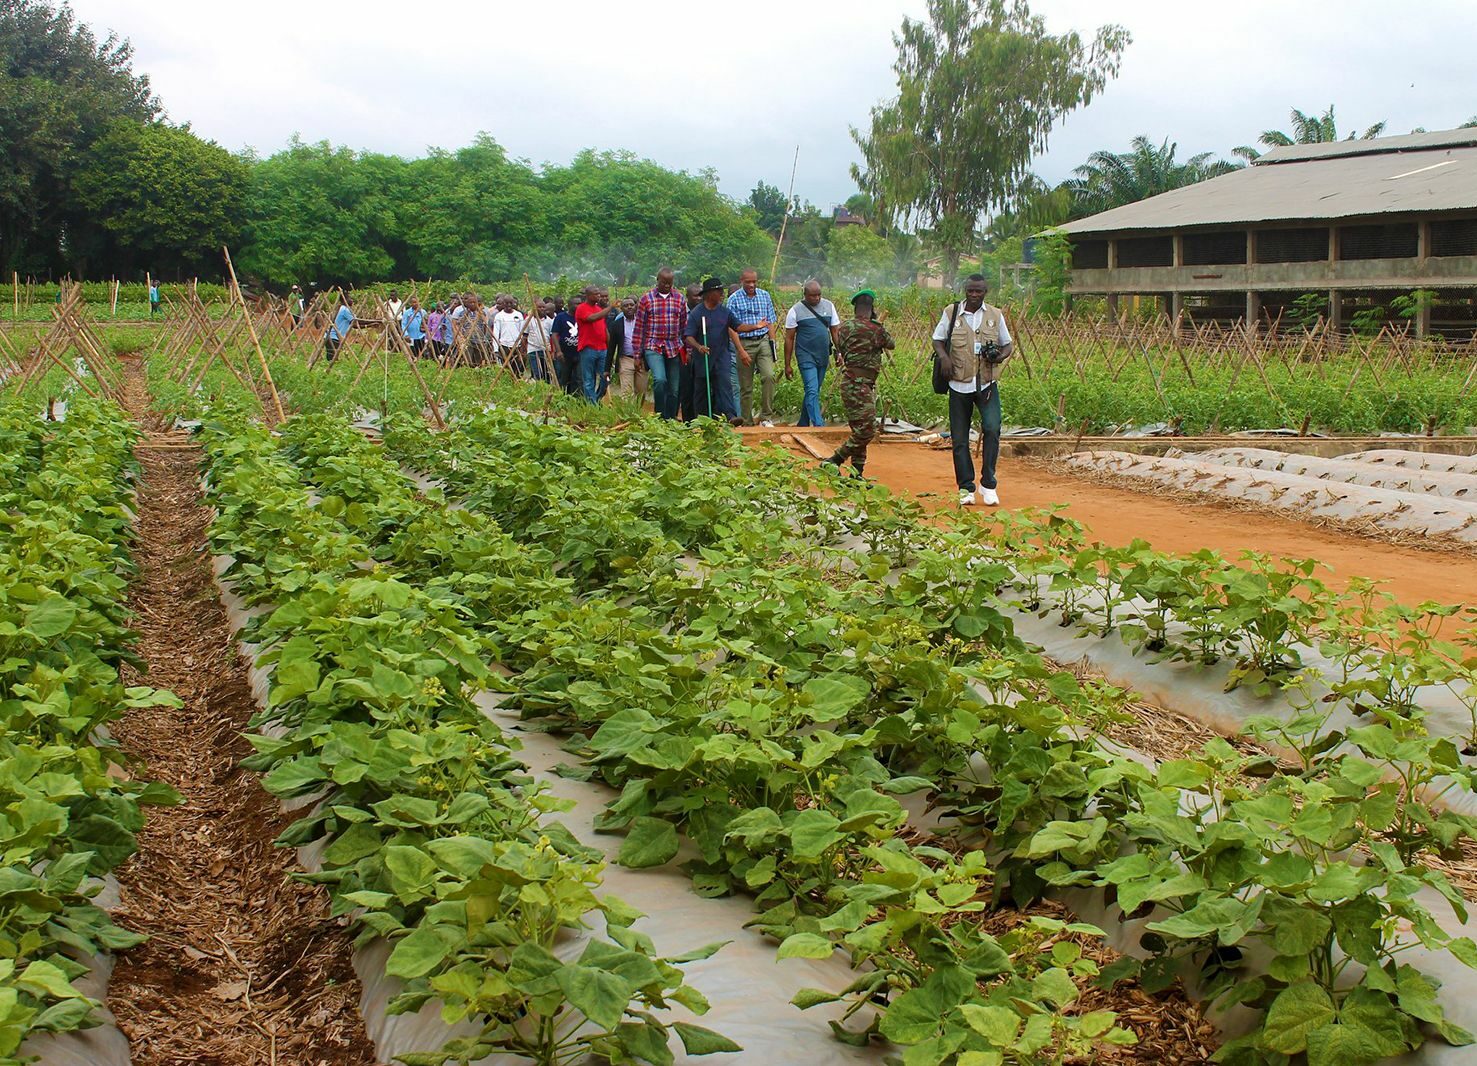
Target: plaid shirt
(751,309)
(660,321)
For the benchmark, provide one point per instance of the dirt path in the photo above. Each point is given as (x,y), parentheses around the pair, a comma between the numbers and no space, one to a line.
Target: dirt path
(1117,516)
(243,965)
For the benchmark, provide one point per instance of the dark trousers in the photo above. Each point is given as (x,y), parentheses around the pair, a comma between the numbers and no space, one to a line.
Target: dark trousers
(330,348)
(962,406)
(569,374)
(685,409)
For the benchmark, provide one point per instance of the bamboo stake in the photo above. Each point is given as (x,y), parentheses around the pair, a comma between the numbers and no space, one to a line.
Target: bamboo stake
(251,328)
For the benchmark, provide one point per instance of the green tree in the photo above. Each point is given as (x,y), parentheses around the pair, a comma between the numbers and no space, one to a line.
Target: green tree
(768,205)
(60,90)
(1306,129)
(620,218)
(166,200)
(1112,179)
(855,256)
(981,85)
(321,214)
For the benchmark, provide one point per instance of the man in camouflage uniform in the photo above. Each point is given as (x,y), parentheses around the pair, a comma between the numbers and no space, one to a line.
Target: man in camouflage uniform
(859,358)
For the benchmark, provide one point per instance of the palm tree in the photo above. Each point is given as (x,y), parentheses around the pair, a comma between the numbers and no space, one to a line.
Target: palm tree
(1306,129)
(1111,179)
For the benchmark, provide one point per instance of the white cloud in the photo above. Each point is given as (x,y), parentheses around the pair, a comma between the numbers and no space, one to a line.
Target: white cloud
(737,87)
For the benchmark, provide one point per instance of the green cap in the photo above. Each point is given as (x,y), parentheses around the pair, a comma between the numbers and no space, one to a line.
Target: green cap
(868,293)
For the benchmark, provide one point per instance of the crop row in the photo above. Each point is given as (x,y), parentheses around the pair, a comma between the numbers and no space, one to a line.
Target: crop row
(434,836)
(616,516)
(66,820)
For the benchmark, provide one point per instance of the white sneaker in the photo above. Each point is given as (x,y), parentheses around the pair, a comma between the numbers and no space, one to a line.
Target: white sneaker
(767,424)
(966,497)
(989,497)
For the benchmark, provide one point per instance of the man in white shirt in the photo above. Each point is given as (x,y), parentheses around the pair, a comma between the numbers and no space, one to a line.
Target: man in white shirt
(536,333)
(507,331)
(972,343)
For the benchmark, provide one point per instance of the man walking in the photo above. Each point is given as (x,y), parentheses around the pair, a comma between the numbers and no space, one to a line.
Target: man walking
(972,343)
(754,308)
(537,333)
(413,326)
(632,361)
(661,317)
(295,306)
(859,358)
(591,320)
(712,336)
(811,330)
(507,331)
(342,323)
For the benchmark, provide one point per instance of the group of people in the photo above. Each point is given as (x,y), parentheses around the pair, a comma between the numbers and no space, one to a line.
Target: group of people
(704,352)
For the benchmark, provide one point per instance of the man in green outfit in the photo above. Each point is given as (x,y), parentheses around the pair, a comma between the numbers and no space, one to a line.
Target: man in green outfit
(859,358)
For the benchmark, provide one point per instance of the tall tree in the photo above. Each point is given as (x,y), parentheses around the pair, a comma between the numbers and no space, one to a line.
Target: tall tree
(768,205)
(981,85)
(1112,179)
(1306,129)
(166,200)
(60,90)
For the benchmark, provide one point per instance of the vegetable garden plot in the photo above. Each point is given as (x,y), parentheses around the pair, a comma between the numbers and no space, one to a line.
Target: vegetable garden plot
(70,815)
(1386,509)
(1459,486)
(1083,814)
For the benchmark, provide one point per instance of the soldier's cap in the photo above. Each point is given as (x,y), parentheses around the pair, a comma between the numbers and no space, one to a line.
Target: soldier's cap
(868,293)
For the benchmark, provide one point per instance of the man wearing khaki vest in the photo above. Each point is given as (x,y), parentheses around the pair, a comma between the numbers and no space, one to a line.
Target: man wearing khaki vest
(972,343)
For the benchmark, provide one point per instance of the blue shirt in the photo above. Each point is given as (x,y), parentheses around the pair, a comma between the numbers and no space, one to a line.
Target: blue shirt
(412,324)
(719,319)
(751,309)
(341,324)
(564,328)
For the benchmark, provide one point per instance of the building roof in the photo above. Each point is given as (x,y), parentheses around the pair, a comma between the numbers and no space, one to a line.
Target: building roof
(1414,174)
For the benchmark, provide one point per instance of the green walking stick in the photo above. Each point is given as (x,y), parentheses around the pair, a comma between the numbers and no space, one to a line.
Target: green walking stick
(708,366)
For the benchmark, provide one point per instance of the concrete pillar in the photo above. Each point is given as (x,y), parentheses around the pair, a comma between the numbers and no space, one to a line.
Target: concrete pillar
(1423,320)
(1423,240)
(1335,309)
(1113,304)
(1250,248)
(1333,244)
(1176,307)
(1112,253)
(1253,310)
(1179,249)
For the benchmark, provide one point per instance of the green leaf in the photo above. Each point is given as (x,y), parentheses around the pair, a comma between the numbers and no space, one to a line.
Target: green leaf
(650,842)
(52,617)
(700,1041)
(46,979)
(411,871)
(813,997)
(806,946)
(1297,1011)
(998,1025)
(833,696)
(598,994)
(1055,986)
(422,951)
(813,832)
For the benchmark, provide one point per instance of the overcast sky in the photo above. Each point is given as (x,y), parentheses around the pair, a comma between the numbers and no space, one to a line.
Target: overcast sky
(738,87)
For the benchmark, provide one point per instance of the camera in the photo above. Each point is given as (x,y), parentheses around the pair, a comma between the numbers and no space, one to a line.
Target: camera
(991,352)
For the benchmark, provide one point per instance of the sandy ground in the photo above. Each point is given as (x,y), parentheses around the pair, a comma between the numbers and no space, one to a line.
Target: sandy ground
(1117,516)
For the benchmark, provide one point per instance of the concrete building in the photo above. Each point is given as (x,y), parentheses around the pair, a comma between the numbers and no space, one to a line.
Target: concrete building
(1355,223)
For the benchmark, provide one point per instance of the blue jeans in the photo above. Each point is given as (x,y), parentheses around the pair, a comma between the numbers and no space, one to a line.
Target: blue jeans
(812,376)
(538,365)
(664,379)
(592,373)
(725,386)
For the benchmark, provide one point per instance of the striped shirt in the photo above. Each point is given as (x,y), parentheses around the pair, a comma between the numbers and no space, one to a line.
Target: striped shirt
(750,310)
